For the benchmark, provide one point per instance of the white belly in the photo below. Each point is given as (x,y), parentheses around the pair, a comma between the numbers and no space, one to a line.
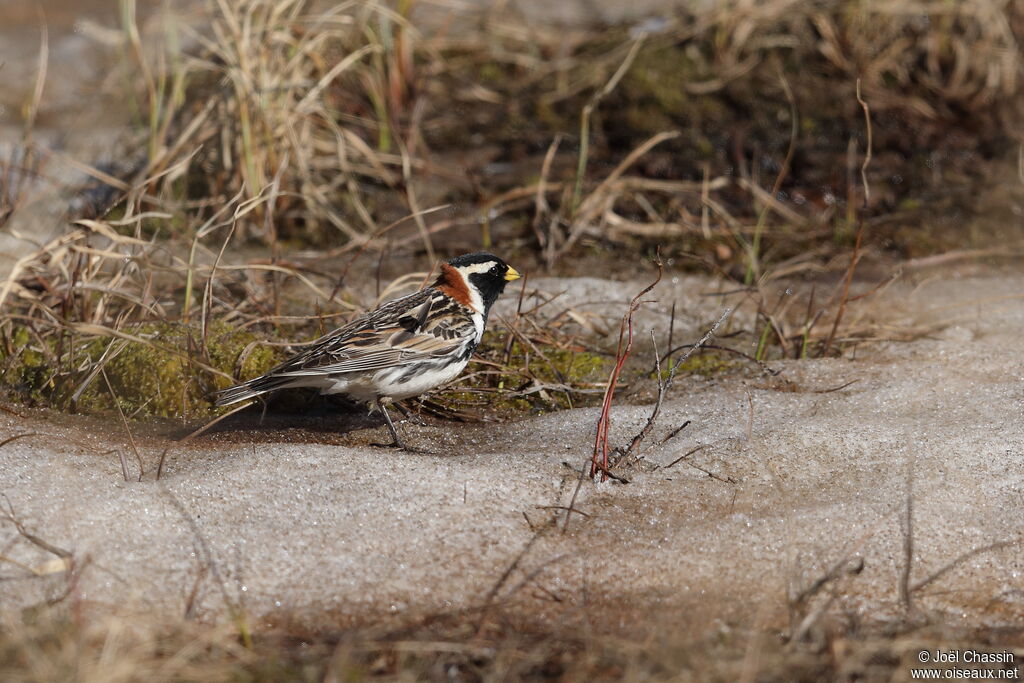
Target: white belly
(397,384)
(404,381)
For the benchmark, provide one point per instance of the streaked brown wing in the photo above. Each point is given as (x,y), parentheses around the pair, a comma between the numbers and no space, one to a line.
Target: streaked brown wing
(418,327)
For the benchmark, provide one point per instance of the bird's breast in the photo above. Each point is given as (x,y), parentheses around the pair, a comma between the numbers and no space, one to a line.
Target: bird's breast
(418,378)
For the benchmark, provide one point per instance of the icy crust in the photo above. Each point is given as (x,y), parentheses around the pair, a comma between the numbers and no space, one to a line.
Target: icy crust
(316,529)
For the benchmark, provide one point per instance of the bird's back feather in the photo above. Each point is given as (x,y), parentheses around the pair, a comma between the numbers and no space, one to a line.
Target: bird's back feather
(422,327)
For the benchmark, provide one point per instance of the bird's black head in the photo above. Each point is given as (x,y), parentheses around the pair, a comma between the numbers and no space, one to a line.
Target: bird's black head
(485,273)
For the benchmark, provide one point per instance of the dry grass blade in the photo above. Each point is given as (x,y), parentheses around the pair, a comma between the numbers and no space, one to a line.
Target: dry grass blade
(855,256)
(127,429)
(37,92)
(286,111)
(588,112)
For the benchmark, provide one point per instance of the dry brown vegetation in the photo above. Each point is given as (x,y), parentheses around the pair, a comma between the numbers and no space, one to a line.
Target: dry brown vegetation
(290,150)
(731,137)
(61,644)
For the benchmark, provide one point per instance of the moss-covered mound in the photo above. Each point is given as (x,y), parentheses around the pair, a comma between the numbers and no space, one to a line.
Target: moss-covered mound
(151,369)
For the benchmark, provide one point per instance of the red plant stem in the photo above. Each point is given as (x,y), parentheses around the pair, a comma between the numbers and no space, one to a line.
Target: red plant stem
(599,459)
(604,421)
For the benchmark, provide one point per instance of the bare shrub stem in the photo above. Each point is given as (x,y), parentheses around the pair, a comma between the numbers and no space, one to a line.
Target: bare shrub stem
(599,459)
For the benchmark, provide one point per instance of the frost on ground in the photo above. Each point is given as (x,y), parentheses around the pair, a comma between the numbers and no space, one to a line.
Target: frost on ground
(790,480)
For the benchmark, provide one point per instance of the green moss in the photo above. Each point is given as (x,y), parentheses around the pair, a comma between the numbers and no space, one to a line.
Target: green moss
(24,364)
(162,375)
(705,364)
(226,353)
(657,76)
(492,73)
(569,368)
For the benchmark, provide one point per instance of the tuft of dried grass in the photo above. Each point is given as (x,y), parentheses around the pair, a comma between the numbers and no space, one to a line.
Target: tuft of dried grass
(95,299)
(273,125)
(759,103)
(278,90)
(97,645)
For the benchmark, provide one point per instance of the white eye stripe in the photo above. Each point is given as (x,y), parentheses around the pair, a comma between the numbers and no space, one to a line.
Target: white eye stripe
(477,268)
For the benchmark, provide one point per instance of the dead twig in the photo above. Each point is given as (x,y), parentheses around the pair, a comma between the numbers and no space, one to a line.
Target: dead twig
(839,388)
(960,559)
(686,455)
(665,385)
(685,459)
(907,527)
(674,432)
(19,526)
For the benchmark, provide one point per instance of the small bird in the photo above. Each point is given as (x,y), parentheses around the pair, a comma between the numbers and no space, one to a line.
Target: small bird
(401,349)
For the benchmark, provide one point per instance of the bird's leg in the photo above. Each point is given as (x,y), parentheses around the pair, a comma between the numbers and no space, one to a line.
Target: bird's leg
(402,409)
(408,414)
(391,425)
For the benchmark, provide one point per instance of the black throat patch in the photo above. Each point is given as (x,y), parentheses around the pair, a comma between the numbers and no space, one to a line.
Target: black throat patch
(490,288)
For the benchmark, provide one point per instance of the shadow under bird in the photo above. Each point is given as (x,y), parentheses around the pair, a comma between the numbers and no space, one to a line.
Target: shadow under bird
(401,349)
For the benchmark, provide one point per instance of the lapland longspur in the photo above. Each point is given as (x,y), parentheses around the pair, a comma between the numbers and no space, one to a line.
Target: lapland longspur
(401,349)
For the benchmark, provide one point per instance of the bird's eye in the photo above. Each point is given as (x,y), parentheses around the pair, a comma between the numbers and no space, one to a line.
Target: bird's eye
(495,269)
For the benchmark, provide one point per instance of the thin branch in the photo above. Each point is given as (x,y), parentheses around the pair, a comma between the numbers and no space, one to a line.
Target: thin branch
(665,385)
(974,552)
(9,515)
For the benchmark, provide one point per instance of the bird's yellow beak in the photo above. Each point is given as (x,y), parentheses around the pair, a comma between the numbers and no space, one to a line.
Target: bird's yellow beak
(512,274)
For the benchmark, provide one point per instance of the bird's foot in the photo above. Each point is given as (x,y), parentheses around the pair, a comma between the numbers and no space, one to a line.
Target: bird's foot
(396,441)
(402,446)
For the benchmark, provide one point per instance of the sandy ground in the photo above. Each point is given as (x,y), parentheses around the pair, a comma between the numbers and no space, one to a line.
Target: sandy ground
(311,525)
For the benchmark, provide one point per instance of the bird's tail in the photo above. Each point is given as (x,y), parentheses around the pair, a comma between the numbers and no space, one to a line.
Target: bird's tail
(251,389)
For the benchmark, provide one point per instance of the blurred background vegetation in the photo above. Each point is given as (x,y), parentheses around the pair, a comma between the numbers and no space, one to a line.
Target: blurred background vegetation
(286,164)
